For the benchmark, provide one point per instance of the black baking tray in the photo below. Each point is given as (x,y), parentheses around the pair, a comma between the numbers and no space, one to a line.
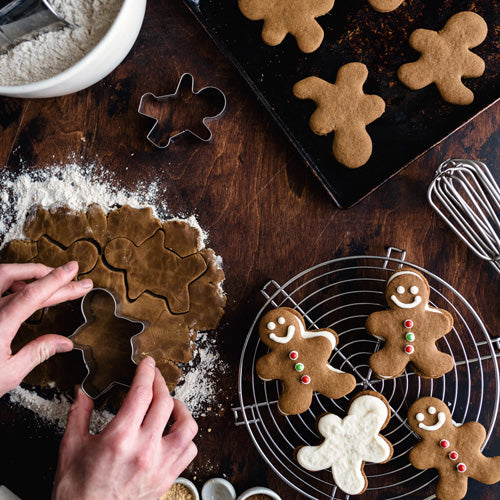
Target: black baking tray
(414,121)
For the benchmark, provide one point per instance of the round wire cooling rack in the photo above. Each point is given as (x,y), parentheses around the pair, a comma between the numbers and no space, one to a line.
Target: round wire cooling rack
(340,294)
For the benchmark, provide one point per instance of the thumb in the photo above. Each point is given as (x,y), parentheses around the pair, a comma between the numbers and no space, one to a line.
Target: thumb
(79,415)
(35,353)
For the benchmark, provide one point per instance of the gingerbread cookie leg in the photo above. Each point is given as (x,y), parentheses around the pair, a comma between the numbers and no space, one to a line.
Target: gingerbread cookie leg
(456,492)
(294,399)
(385,365)
(334,386)
(430,363)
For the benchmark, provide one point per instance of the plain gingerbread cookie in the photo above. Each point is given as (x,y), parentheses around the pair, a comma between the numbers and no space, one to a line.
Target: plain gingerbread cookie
(385,5)
(446,57)
(453,449)
(299,358)
(296,17)
(410,329)
(350,442)
(345,109)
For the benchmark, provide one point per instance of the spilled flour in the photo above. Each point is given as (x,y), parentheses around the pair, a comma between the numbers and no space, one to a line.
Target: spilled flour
(77,187)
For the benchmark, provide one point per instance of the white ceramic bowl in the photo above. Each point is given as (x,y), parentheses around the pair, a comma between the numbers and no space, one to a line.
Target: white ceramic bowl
(259,490)
(98,63)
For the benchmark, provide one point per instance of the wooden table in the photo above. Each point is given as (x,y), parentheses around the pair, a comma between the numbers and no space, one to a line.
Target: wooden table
(267,216)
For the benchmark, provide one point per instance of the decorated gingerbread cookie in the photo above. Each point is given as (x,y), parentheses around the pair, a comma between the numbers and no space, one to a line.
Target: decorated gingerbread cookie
(453,449)
(345,109)
(296,17)
(410,329)
(446,57)
(299,358)
(350,442)
(385,5)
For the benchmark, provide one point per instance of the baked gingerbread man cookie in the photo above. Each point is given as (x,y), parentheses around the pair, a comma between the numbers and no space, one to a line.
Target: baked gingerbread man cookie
(410,329)
(453,449)
(446,57)
(345,109)
(297,17)
(385,5)
(350,442)
(299,358)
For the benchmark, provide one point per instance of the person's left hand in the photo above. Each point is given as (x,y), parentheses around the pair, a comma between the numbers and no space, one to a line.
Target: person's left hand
(51,286)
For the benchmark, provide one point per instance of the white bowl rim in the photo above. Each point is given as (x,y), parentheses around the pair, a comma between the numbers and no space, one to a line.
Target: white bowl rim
(256,490)
(67,73)
(218,480)
(188,484)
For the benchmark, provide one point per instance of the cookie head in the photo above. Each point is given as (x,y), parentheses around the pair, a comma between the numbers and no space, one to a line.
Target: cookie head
(428,416)
(407,290)
(279,326)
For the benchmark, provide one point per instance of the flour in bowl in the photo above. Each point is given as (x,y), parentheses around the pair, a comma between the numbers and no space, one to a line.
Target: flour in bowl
(51,53)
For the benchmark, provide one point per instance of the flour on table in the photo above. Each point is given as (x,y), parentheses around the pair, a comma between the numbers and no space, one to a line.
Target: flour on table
(78,186)
(51,53)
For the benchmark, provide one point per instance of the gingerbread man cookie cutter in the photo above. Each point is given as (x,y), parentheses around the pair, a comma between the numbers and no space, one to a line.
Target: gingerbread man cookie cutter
(164,111)
(87,350)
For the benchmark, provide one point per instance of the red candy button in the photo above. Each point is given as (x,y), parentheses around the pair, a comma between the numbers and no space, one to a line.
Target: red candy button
(461,467)
(409,349)
(453,455)
(305,379)
(444,443)
(408,323)
(293,355)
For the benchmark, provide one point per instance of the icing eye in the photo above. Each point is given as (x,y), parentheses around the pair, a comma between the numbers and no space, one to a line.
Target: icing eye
(271,326)
(431,410)
(400,289)
(414,290)
(420,417)
(281,320)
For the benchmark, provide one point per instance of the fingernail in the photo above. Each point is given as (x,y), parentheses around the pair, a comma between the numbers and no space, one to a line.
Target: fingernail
(150,361)
(64,346)
(86,283)
(70,266)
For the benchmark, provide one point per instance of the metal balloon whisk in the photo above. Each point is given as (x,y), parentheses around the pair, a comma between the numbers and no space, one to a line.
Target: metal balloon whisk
(467,197)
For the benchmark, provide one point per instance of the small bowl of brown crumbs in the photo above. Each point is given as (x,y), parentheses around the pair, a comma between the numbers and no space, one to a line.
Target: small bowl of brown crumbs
(259,493)
(182,489)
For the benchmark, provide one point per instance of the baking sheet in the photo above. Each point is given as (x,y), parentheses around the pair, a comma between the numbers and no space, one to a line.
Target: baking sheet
(414,120)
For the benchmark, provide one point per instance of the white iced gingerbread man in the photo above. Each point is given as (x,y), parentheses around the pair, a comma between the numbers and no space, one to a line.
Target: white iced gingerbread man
(350,442)
(410,329)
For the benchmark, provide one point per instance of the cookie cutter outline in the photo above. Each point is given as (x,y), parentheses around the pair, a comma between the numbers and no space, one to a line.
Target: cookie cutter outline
(174,96)
(87,315)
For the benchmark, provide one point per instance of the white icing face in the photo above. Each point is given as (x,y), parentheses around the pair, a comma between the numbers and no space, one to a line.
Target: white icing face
(400,290)
(290,332)
(281,320)
(271,325)
(414,290)
(441,419)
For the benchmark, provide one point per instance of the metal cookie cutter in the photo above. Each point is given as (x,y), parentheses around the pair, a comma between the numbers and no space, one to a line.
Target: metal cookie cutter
(89,358)
(202,107)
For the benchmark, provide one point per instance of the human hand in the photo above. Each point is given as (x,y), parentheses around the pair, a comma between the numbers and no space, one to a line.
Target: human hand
(51,287)
(131,459)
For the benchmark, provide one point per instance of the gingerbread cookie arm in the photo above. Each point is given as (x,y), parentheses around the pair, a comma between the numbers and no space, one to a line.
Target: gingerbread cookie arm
(273,32)
(442,322)
(309,37)
(379,324)
(337,385)
(422,456)
(267,368)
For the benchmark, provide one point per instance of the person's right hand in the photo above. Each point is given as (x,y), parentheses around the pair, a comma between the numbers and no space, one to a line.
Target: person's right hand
(131,458)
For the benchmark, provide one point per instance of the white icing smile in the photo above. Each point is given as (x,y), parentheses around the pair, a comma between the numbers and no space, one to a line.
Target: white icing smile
(403,305)
(290,332)
(441,420)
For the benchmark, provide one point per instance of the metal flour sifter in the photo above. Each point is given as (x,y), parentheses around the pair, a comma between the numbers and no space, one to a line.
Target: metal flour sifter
(21,20)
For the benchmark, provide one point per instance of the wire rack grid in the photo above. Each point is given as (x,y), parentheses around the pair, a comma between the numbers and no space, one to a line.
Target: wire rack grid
(340,294)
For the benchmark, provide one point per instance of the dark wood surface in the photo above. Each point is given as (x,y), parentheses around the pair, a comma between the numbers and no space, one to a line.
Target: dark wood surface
(267,216)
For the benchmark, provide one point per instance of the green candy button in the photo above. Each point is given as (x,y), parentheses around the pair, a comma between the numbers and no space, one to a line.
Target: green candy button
(410,337)
(299,367)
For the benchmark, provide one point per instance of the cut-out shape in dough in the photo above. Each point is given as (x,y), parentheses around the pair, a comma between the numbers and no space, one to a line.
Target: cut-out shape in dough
(154,268)
(105,340)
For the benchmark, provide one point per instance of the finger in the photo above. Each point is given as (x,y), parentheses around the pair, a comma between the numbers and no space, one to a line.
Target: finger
(183,430)
(9,273)
(174,469)
(17,286)
(161,407)
(34,295)
(71,291)
(138,399)
(36,352)
(79,415)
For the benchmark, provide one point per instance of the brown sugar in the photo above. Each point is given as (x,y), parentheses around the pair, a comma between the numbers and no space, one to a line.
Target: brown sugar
(178,492)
